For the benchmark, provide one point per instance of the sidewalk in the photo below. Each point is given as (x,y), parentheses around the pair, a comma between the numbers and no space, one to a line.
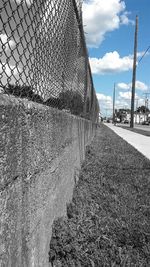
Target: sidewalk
(140,142)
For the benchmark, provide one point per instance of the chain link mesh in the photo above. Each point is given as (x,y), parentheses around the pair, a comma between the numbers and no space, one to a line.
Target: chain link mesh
(44,56)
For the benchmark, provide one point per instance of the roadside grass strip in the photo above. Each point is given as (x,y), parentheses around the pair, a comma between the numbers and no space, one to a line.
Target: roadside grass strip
(108,220)
(139,131)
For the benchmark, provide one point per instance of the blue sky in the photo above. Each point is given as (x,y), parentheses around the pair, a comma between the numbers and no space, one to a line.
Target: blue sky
(109,28)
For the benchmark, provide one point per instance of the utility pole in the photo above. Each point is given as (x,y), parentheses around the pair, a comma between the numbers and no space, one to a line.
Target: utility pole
(134,74)
(146,104)
(136,108)
(114,93)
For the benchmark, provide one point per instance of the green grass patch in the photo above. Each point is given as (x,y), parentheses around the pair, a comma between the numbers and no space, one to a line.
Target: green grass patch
(139,131)
(108,220)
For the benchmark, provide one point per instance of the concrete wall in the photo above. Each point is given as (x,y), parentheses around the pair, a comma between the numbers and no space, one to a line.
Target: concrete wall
(41,153)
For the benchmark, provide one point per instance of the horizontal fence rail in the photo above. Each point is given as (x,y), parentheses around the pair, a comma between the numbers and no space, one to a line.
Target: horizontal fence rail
(44,57)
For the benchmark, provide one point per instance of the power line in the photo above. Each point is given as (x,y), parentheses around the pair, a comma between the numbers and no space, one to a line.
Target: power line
(114,102)
(144,54)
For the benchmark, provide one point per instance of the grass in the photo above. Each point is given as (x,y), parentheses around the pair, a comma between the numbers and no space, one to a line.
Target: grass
(107,222)
(139,131)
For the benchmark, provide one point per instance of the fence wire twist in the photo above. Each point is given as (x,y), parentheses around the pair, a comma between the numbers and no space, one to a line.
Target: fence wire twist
(44,56)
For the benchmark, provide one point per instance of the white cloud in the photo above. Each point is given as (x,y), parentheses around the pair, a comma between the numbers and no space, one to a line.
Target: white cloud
(111,63)
(125,20)
(102,97)
(100,17)
(9,69)
(123,103)
(105,102)
(28,2)
(139,86)
(143,54)
(124,86)
(126,95)
(6,42)
(141,102)
(51,9)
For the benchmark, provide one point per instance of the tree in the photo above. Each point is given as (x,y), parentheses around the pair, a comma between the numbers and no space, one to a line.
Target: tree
(23,91)
(71,100)
(142,109)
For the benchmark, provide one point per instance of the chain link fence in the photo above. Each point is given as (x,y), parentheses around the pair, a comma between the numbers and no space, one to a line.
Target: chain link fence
(44,57)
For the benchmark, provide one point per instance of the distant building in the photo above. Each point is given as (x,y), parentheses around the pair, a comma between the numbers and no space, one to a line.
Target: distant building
(125,114)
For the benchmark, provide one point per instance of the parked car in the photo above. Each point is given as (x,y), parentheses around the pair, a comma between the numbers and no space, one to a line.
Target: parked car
(145,122)
(126,121)
(117,120)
